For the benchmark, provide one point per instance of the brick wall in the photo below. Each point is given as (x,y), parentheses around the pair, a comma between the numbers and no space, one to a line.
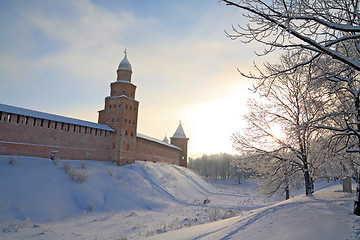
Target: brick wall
(147,150)
(28,136)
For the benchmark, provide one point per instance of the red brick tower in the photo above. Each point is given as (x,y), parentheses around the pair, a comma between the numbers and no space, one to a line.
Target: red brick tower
(180,140)
(121,114)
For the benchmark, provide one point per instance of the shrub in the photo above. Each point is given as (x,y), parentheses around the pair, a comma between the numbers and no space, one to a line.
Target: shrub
(90,206)
(76,175)
(12,161)
(15,226)
(83,165)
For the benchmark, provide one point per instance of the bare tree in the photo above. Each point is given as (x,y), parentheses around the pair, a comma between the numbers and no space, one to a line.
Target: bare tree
(319,27)
(292,102)
(322,29)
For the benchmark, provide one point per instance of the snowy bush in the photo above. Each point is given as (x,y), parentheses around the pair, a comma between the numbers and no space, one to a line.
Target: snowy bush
(121,238)
(12,161)
(55,162)
(15,226)
(77,175)
(83,165)
(90,206)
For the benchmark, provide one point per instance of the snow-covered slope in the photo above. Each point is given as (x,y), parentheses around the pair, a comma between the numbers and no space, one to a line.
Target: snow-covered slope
(326,215)
(99,200)
(143,198)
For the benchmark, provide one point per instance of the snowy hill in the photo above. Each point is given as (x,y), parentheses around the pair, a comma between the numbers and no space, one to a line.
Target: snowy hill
(99,200)
(143,199)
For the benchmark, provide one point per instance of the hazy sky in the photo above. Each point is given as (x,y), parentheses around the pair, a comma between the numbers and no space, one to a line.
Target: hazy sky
(61,56)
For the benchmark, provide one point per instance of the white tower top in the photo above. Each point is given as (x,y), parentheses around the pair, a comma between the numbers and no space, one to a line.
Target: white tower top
(125,64)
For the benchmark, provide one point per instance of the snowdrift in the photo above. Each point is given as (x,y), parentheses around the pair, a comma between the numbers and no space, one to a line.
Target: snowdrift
(35,188)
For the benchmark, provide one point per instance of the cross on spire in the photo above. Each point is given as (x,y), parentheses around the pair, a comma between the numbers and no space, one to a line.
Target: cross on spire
(125,52)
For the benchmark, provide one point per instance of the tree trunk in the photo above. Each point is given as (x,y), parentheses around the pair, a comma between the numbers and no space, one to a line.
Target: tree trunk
(356,202)
(287,193)
(308,185)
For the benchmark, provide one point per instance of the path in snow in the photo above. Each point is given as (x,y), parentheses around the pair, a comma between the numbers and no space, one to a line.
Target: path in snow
(326,215)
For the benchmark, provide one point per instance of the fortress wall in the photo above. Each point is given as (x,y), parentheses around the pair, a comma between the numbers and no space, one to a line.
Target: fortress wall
(147,150)
(29,136)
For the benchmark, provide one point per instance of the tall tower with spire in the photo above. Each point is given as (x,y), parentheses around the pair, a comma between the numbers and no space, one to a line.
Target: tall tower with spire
(121,114)
(180,140)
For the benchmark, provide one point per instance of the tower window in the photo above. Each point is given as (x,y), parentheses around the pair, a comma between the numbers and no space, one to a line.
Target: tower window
(117,120)
(120,105)
(114,106)
(123,92)
(114,92)
(125,120)
(132,134)
(110,107)
(112,120)
(126,133)
(130,107)
(134,109)
(130,122)
(126,107)
(134,123)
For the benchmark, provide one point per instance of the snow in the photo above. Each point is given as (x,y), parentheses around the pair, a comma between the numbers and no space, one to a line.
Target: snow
(179,133)
(125,64)
(52,117)
(157,141)
(39,200)
(122,96)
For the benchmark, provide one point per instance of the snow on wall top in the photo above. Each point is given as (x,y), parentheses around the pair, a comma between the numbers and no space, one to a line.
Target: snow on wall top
(52,117)
(122,96)
(139,135)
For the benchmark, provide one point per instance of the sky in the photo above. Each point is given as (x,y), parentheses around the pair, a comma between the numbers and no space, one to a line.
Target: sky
(61,56)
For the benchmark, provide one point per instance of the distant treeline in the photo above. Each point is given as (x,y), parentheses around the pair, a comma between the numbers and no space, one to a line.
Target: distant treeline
(218,166)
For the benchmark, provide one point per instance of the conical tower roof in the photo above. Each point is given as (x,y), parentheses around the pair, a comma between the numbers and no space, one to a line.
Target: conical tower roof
(179,133)
(125,64)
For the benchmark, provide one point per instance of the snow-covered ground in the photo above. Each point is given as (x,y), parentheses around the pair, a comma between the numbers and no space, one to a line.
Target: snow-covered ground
(98,200)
